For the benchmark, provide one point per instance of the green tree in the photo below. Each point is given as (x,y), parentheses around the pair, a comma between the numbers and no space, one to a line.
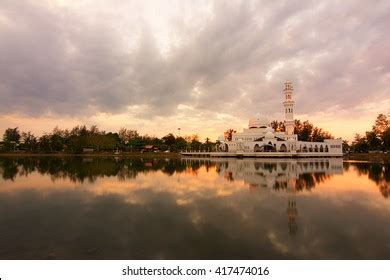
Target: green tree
(169,140)
(44,143)
(317,135)
(11,138)
(386,139)
(56,142)
(181,143)
(297,127)
(360,144)
(126,135)
(373,142)
(376,139)
(228,134)
(29,141)
(11,135)
(305,133)
(195,144)
(208,144)
(381,125)
(346,146)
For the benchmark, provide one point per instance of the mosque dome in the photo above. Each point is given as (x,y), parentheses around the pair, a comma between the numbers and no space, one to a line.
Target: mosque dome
(258,122)
(269,135)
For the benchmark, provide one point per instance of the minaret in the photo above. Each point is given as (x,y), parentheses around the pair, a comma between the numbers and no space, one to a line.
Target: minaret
(288,104)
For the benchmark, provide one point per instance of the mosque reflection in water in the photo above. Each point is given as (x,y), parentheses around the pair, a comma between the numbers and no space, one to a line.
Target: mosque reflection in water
(189,208)
(278,174)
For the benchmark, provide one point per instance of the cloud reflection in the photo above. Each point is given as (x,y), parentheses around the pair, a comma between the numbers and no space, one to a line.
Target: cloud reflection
(187,209)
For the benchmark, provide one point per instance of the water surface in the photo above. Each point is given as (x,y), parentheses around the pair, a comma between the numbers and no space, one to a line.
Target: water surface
(121,208)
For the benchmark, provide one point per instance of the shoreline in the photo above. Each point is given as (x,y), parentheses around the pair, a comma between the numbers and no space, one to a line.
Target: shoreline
(368,157)
(364,157)
(124,155)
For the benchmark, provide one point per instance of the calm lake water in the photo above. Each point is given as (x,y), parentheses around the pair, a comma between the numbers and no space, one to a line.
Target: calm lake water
(121,208)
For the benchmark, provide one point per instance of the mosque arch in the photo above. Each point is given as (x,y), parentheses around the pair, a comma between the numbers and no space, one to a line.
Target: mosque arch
(256,148)
(304,149)
(310,149)
(316,149)
(321,149)
(268,148)
(226,148)
(283,148)
(257,165)
(326,149)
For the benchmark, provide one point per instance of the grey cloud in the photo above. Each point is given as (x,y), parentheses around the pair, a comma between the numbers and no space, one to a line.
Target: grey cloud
(61,61)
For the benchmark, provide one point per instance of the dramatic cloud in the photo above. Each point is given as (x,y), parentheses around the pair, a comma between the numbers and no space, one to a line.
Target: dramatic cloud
(192,59)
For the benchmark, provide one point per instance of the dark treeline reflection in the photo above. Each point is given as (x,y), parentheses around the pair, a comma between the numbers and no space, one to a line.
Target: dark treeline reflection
(79,169)
(297,175)
(305,181)
(303,174)
(205,212)
(376,172)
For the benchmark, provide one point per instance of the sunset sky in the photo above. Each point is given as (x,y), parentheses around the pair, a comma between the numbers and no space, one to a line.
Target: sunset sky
(203,66)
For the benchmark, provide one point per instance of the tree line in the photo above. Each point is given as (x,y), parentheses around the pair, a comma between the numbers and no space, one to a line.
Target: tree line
(305,130)
(78,138)
(377,139)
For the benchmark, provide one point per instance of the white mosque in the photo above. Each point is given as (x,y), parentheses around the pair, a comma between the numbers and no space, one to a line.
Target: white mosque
(260,140)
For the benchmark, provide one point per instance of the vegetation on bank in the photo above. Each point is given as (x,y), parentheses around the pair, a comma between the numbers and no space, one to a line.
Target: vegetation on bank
(82,139)
(378,139)
(306,131)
